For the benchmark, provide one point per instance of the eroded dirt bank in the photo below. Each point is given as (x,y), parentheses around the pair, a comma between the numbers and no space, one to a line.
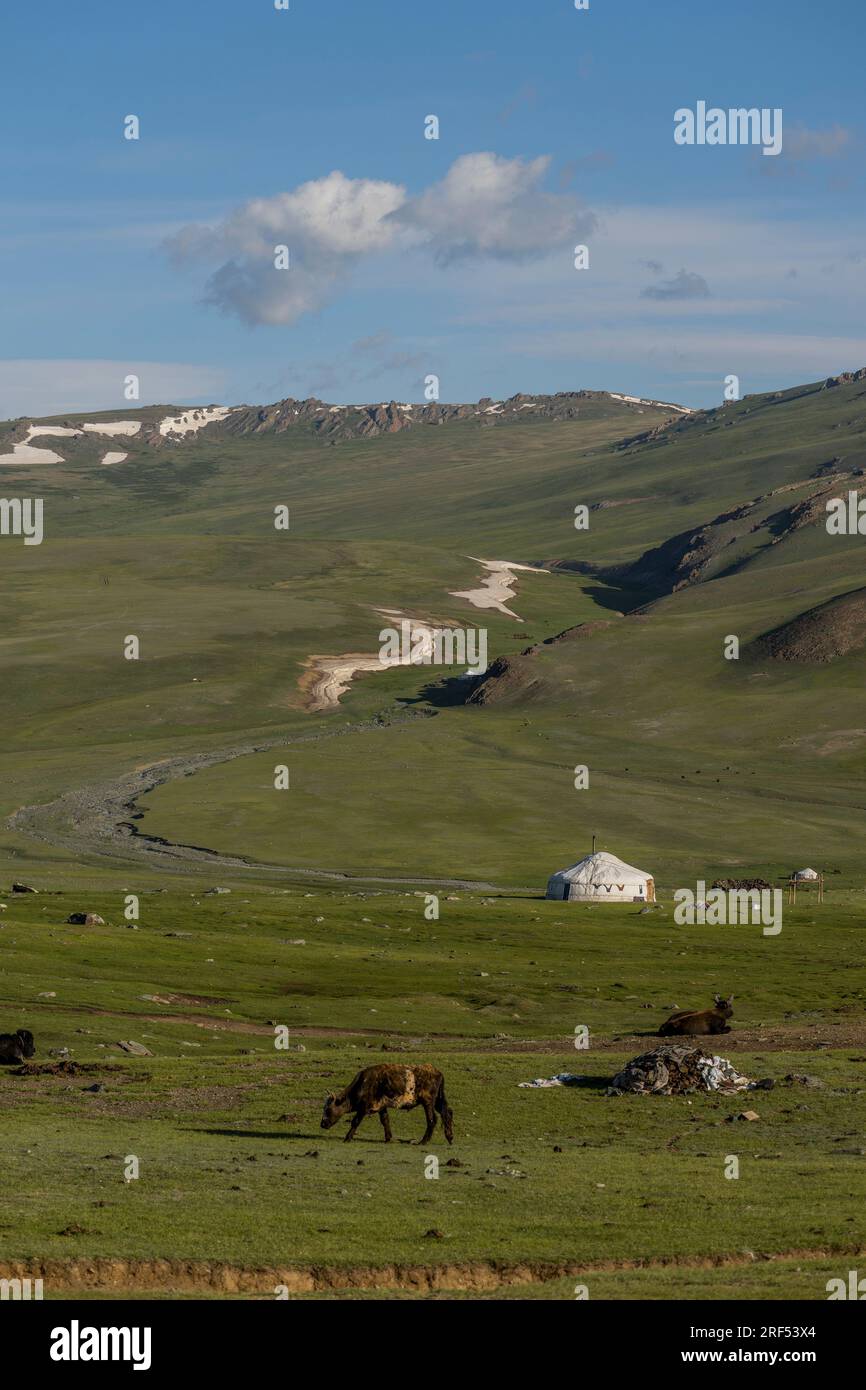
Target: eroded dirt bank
(328,677)
(183,1276)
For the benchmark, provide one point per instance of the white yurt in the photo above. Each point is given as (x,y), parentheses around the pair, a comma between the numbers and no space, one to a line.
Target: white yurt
(805,874)
(601,878)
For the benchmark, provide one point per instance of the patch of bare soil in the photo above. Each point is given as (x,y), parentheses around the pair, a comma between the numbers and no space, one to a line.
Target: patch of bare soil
(793,1037)
(179,1101)
(67,1067)
(479,1275)
(783,1038)
(827,742)
(216,1025)
(58,1078)
(185,999)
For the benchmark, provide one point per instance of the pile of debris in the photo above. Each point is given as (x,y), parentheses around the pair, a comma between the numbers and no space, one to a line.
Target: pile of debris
(738,884)
(676,1070)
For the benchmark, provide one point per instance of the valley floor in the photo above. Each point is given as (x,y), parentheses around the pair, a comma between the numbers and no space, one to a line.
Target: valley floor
(240,1194)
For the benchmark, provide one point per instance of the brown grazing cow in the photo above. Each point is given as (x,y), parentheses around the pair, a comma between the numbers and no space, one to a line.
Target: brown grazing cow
(16,1047)
(688,1023)
(378,1089)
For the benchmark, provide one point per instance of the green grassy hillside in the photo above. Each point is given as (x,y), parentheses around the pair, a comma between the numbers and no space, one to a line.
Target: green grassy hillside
(178,547)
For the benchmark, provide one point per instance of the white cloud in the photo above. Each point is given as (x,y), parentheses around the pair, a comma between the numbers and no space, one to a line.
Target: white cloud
(46,386)
(485,207)
(327,225)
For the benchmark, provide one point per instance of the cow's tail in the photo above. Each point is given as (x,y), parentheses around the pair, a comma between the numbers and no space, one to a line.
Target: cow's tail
(445,1111)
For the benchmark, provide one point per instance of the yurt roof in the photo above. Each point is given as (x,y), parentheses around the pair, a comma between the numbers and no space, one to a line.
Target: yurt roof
(601,868)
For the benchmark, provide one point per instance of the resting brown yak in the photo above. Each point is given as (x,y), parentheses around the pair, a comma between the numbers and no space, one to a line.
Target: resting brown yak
(378,1089)
(688,1023)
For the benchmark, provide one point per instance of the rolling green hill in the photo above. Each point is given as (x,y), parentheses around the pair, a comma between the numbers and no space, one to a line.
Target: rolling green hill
(705,526)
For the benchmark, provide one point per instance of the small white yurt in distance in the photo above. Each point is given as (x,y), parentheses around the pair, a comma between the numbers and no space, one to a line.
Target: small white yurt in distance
(806,873)
(601,878)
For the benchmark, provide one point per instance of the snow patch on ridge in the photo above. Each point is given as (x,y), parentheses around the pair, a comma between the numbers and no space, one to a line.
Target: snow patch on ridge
(114,427)
(642,400)
(26,453)
(498,585)
(191,421)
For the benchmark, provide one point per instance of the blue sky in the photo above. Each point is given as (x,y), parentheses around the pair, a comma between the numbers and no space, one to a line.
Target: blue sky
(155,255)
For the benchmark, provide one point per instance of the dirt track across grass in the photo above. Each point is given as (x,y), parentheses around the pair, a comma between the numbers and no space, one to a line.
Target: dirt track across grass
(100,820)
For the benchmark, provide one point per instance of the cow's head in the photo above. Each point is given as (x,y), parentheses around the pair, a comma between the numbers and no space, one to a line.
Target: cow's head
(25,1038)
(723,1006)
(334,1110)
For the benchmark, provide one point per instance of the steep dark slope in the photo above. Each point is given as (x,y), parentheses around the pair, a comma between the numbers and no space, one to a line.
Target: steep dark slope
(820,634)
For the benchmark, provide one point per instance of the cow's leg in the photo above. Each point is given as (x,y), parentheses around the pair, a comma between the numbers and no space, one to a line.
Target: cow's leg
(386,1124)
(356,1120)
(445,1111)
(431,1121)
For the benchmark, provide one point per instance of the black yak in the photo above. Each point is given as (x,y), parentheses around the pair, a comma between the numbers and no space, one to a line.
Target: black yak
(16,1047)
